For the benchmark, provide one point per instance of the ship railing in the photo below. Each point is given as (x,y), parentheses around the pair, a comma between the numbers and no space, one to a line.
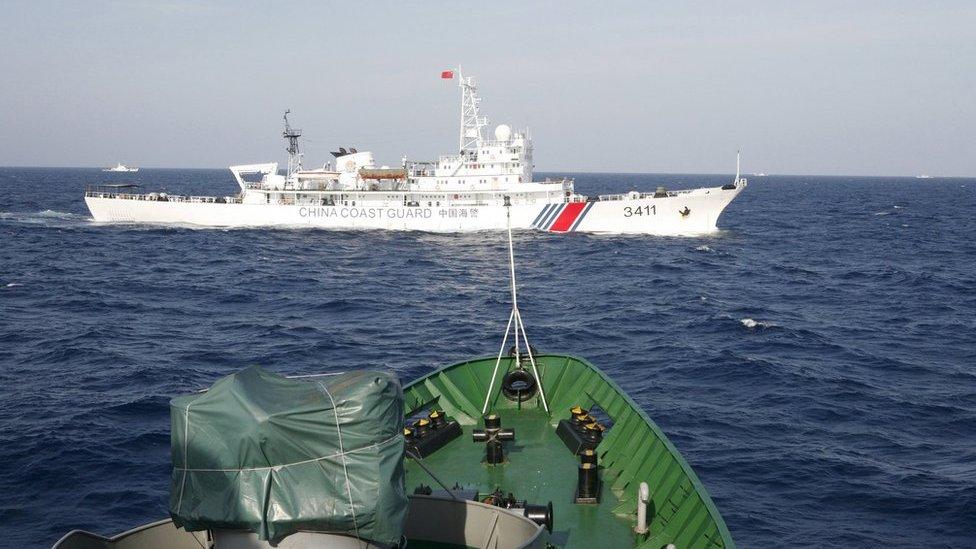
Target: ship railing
(421,172)
(511,146)
(469,156)
(163,197)
(453,158)
(634,195)
(289,186)
(421,168)
(109,187)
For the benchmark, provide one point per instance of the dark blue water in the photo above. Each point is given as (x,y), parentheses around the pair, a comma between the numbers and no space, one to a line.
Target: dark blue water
(814,361)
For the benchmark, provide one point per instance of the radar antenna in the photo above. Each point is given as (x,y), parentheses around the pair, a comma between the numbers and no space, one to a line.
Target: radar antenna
(471,122)
(294,155)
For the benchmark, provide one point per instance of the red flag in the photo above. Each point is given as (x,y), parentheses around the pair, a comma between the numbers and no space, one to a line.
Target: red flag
(447,74)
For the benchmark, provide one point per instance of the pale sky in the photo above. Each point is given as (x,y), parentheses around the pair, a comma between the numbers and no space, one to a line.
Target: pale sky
(859,88)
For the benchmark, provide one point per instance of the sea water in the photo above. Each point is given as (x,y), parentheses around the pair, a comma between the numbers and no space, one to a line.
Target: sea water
(814,361)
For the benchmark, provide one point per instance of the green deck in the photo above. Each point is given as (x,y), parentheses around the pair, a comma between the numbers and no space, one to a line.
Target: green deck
(541,469)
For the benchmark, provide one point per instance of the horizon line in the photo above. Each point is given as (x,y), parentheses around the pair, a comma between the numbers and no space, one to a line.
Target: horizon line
(588,172)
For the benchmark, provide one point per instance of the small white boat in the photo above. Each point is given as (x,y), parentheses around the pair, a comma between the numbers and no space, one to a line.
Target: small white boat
(120,168)
(923,176)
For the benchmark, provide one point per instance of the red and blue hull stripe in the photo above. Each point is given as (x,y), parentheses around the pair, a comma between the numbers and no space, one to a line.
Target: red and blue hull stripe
(562,218)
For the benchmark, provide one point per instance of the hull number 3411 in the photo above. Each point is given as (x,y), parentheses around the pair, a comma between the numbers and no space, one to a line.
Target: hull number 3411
(631,211)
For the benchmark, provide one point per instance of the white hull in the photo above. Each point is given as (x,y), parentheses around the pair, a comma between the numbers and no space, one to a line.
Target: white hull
(620,214)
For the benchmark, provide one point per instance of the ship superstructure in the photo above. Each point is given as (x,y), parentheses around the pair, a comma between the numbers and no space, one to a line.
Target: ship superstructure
(459,192)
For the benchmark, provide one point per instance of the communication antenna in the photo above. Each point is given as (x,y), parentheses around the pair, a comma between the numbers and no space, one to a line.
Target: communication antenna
(471,123)
(294,155)
(515,319)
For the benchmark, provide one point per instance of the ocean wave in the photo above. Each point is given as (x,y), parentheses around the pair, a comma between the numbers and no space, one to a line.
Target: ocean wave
(755,324)
(51,218)
(61,215)
(801,353)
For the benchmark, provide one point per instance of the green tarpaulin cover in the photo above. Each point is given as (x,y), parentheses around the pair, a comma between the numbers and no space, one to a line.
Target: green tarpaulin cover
(274,455)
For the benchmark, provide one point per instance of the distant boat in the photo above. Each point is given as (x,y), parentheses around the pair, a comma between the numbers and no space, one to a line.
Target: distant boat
(923,176)
(760,174)
(120,168)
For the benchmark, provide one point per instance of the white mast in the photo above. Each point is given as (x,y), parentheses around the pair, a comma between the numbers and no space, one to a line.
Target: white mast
(471,124)
(737,166)
(294,155)
(514,319)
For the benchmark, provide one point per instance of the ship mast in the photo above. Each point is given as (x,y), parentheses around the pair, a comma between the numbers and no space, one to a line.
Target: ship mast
(294,155)
(471,122)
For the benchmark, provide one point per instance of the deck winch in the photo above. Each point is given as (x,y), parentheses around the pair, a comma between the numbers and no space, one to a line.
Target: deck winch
(493,435)
(539,514)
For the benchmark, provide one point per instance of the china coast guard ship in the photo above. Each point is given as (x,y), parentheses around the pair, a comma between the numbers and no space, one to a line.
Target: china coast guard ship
(466,191)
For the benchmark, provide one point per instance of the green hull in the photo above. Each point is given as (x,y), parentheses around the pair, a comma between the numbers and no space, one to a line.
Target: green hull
(540,468)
